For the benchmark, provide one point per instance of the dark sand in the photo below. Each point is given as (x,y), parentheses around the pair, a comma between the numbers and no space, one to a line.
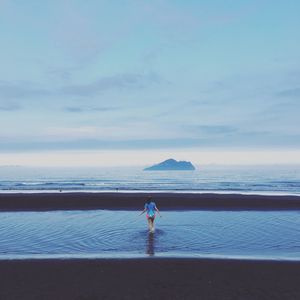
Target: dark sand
(149,279)
(135,201)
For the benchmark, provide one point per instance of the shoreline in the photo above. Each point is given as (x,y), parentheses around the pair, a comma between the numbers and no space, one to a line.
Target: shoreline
(149,278)
(110,191)
(136,200)
(95,257)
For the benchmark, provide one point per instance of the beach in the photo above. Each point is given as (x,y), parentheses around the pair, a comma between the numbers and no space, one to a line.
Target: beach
(135,201)
(149,279)
(78,218)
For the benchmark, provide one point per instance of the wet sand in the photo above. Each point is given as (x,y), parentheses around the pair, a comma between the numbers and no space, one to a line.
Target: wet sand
(149,279)
(135,201)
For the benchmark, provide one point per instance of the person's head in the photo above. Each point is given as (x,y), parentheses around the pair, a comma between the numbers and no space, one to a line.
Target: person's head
(149,199)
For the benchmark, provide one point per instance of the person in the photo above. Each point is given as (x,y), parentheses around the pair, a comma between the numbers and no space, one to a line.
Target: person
(151,209)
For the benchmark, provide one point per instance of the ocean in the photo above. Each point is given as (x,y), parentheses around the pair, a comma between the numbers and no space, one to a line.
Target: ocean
(277,179)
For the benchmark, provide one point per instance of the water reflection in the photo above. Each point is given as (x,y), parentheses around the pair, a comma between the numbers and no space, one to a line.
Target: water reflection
(150,244)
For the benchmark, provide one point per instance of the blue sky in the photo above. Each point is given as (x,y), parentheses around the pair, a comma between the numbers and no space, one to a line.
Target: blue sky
(130,75)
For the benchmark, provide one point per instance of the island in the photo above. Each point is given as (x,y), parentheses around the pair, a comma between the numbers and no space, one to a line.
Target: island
(172,165)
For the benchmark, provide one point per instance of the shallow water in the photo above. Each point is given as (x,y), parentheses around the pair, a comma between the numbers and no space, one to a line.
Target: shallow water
(104,234)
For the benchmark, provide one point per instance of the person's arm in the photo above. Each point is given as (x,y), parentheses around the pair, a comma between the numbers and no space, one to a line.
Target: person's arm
(157,211)
(143,212)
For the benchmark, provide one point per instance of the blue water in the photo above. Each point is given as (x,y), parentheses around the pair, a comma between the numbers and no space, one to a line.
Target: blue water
(119,234)
(240,179)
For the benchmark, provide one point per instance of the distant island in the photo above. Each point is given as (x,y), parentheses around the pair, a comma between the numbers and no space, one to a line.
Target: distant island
(172,165)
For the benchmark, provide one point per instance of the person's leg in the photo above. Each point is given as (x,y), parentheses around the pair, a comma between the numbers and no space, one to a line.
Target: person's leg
(149,224)
(151,228)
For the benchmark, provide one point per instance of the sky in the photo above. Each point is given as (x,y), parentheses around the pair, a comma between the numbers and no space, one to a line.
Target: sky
(139,81)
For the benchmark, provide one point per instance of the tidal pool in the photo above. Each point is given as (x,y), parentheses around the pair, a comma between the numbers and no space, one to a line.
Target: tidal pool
(123,234)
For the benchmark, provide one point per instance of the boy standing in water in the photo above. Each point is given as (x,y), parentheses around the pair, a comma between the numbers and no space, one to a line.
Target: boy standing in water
(151,209)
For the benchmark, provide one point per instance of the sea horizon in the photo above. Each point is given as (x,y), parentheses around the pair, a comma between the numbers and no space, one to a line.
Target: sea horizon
(223,179)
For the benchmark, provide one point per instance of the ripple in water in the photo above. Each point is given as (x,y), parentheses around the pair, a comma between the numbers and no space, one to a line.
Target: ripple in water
(102,233)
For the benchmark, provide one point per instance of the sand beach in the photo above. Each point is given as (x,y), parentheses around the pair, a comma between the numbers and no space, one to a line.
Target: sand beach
(135,201)
(149,279)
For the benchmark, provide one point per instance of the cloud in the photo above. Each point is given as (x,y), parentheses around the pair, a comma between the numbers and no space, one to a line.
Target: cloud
(117,131)
(80,109)
(119,81)
(130,81)
(9,106)
(167,15)
(64,74)
(92,143)
(291,93)
(213,129)
(85,132)
(248,141)
(20,89)
(76,33)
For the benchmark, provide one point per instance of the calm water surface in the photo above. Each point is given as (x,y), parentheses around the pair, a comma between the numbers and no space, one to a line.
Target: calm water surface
(104,234)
